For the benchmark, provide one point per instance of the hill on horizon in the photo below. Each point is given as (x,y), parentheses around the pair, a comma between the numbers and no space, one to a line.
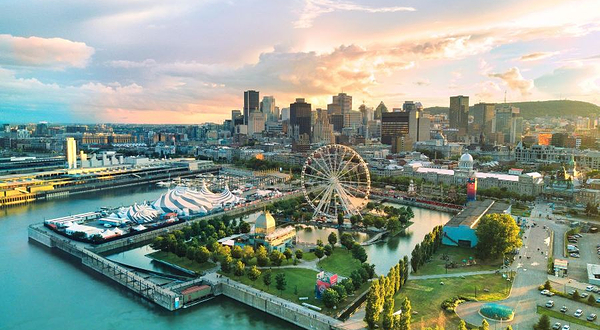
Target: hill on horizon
(553,108)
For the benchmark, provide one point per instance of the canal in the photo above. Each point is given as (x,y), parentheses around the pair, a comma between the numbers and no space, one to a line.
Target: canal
(45,289)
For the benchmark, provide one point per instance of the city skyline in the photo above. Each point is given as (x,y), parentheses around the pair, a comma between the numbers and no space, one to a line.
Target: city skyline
(147,62)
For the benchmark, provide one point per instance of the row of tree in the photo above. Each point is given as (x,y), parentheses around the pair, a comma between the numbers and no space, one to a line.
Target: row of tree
(380,299)
(423,251)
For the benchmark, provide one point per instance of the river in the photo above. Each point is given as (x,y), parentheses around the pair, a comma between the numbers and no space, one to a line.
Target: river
(45,289)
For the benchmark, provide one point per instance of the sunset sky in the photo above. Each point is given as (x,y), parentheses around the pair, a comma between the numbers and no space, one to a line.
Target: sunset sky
(189,61)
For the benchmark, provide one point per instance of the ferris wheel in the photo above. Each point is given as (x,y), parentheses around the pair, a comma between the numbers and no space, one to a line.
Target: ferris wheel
(335,179)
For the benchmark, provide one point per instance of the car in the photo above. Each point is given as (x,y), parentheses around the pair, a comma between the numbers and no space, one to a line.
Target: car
(578,313)
(545,292)
(556,326)
(550,304)
(571,292)
(566,327)
(584,295)
(591,317)
(564,309)
(589,288)
(597,300)
(574,255)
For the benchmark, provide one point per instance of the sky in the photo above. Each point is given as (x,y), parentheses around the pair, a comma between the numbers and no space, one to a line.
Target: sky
(189,61)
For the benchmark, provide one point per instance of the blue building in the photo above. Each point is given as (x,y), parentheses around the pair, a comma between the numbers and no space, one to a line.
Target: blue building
(460,230)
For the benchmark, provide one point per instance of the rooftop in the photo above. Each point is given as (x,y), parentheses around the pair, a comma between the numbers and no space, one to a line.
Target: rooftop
(475,210)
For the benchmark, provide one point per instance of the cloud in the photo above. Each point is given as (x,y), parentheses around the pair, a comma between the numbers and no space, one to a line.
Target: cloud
(124,64)
(315,8)
(422,82)
(575,80)
(515,81)
(55,53)
(537,56)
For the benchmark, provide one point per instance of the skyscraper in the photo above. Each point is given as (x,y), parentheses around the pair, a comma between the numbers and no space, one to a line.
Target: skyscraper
(459,114)
(71,149)
(300,118)
(381,108)
(251,103)
(344,101)
(393,125)
(267,106)
(483,118)
(419,126)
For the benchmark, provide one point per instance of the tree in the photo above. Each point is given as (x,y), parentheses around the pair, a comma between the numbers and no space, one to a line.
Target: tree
(543,323)
(591,300)
(239,268)
(288,254)
(319,252)
(332,238)
(320,243)
(247,254)
(236,252)
(328,250)
(484,325)
(500,234)
(261,256)
(358,252)
(267,280)
(372,307)
(509,328)
(405,315)
(244,227)
(348,283)
(340,219)
(576,295)
(341,291)
(226,264)
(253,273)
(547,285)
(276,258)
(299,254)
(280,282)
(462,325)
(330,298)
(347,240)
(405,269)
(202,255)
(387,315)
(356,278)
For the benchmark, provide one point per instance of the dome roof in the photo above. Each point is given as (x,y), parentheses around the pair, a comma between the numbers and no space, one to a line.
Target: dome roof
(466,157)
(265,223)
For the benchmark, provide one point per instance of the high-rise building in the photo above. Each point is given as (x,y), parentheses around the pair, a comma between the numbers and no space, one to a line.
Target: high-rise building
(394,124)
(483,118)
(344,101)
(508,122)
(256,123)
(381,108)
(334,109)
(419,126)
(285,114)
(267,106)
(323,129)
(251,103)
(41,129)
(459,114)
(71,149)
(300,118)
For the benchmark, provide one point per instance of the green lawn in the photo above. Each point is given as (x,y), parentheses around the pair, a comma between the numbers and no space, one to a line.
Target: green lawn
(457,255)
(426,296)
(309,256)
(520,212)
(181,262)
(567,318)
(300,283)
(340,262)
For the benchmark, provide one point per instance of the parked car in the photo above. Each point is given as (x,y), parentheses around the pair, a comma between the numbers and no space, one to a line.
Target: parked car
(584,295)
(589,288)
(578,313)
(564,309)
(550,304)
(592,317)
(597,300)
(556,326)
(566,327)
(572,292)
(574,255)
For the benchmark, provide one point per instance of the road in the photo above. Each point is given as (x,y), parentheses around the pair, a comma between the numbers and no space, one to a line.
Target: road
(530,267)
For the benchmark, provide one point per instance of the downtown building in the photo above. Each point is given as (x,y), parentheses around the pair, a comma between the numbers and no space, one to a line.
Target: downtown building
(458,114)
(543,154)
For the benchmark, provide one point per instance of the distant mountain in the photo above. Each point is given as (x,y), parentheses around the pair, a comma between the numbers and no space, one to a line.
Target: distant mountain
(557,108)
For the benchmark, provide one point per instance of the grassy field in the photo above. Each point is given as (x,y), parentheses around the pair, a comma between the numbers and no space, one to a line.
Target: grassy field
(520,212)
(457,255)
(300,283)
(309,256)
(567,318)
(340,262)
(426,296)
(181,262)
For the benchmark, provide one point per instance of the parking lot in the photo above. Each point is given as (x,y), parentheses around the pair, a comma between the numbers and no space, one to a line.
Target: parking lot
(587,255)
(572,306)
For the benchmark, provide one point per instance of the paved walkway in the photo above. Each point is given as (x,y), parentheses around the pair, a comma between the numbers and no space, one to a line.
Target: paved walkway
(426,277)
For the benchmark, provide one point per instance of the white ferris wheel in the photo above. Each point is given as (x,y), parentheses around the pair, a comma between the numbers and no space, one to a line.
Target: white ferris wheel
(335,179)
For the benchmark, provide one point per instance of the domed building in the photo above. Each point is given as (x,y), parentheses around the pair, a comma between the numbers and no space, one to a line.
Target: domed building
(466,161)
(265,224)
